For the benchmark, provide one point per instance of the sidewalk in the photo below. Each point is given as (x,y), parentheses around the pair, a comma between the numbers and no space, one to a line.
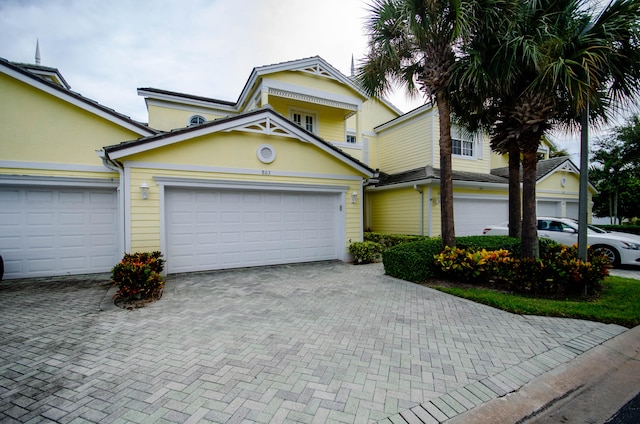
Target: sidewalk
(591,388)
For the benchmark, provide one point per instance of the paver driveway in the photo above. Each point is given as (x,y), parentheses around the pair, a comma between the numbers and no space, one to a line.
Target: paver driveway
(323,342)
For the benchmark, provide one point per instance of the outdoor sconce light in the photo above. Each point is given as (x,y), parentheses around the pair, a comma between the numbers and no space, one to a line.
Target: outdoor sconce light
(144,189)
(354,197)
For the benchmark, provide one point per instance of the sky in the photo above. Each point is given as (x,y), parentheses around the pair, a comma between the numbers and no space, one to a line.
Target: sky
(106,50)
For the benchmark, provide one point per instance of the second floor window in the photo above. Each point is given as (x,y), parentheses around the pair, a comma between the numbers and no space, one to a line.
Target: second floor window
(196,120)
(351,138)
(462,147)
(305,120)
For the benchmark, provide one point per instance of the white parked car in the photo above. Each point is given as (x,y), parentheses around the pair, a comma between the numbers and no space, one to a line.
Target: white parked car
(620,248)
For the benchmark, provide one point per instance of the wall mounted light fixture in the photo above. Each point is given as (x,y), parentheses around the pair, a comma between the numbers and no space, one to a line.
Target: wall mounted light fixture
(354,197)
(144,190)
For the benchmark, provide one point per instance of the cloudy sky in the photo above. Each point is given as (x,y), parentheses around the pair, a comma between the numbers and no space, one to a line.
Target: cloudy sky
(108,49)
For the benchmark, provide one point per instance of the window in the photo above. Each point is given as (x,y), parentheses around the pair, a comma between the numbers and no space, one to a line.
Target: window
(305,119)
(351,138)
(196,120)
(462,147)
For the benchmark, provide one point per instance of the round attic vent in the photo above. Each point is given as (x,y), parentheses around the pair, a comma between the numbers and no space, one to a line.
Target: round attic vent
(266,153)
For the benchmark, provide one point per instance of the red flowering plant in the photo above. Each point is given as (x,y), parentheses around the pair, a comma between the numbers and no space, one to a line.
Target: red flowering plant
(138,276)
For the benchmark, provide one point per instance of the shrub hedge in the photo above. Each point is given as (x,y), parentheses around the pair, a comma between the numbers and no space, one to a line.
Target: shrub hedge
(413,261)
(624,228)
(494,261)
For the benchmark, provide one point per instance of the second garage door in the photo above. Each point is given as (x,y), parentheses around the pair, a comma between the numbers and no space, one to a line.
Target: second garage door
(473,215)
(218,229)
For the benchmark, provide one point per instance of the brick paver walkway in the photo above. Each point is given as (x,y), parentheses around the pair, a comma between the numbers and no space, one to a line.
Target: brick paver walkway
(325,342)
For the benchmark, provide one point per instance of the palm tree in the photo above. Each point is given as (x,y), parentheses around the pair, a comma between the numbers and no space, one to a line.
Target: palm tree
(543,65)
(411,43)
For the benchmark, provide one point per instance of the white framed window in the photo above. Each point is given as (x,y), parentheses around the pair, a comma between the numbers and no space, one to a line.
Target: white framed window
(462,147)
(351,138)
(196,120)
(305,119)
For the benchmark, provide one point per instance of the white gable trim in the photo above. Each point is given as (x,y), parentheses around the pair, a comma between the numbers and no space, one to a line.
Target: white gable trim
(306,94)
(82,104)
(266,122)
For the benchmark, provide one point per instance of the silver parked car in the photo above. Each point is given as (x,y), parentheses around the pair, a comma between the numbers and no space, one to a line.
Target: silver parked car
(620,248)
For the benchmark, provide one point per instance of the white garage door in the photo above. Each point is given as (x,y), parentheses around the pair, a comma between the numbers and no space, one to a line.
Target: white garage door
(218,229)
(46,231)
(548,208)
(572,210)
(471,216)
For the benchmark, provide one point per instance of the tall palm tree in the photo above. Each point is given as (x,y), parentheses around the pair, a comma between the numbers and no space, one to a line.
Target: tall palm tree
(411,43)
(544,64)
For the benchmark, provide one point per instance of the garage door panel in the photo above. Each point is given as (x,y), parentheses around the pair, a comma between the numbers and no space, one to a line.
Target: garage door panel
(251,228)
(56,231)
(471,216)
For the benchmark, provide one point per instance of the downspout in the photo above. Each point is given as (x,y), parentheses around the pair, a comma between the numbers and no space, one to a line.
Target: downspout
(430,211)
(115,166)
(415,187)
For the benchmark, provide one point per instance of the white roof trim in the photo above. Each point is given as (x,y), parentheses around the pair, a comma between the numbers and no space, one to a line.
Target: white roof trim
(85,105)
(265,121)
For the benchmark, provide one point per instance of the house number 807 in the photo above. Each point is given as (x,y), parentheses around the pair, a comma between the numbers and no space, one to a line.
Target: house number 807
(266,172)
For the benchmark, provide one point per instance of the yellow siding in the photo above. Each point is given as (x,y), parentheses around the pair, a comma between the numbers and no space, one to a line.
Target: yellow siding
(314,82)
(37,127)
(238,150)
(374,113)
(395,211)
(330,121)
(166,118)
(408,145)
(54,173)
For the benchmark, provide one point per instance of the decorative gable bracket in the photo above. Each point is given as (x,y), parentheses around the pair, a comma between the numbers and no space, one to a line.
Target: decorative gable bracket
(318,70)
(265,126)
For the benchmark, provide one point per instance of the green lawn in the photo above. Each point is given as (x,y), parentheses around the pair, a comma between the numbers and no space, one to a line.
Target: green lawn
(619,303)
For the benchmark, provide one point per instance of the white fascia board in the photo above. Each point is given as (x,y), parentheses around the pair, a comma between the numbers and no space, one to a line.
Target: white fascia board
(49,181)
(85,105)
(160,98)
(404,118)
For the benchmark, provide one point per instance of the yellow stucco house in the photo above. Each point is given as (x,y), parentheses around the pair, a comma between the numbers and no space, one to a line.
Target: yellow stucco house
(294,170)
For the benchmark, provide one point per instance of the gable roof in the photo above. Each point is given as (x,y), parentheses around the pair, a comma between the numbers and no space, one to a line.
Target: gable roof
(544,167)
(312,65)
(265,121)
(23,74)
(426,173)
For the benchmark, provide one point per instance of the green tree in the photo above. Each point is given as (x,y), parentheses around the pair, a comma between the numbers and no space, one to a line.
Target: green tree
(412,43)
(615,171)
(538,65)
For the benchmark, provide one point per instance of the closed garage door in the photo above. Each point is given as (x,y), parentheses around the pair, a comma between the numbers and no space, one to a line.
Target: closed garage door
(217,229)
(46,232)
(548,208)
(473,215)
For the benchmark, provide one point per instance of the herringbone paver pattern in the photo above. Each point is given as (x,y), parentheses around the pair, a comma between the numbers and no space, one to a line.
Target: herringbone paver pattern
(311,343)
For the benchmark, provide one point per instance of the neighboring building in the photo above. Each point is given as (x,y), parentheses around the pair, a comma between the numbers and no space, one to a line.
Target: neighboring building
(293,171)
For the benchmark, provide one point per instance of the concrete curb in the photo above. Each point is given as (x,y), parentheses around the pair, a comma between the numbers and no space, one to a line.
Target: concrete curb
(568,392)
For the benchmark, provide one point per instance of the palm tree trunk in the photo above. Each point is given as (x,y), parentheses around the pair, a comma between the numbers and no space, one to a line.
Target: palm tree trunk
(515,202)
(529,241)
(446,179)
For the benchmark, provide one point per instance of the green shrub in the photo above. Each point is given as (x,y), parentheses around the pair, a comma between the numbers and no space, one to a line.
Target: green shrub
(558,273)
(391,240)
(365,252)
(413,261)
(138,276)
(624,228)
